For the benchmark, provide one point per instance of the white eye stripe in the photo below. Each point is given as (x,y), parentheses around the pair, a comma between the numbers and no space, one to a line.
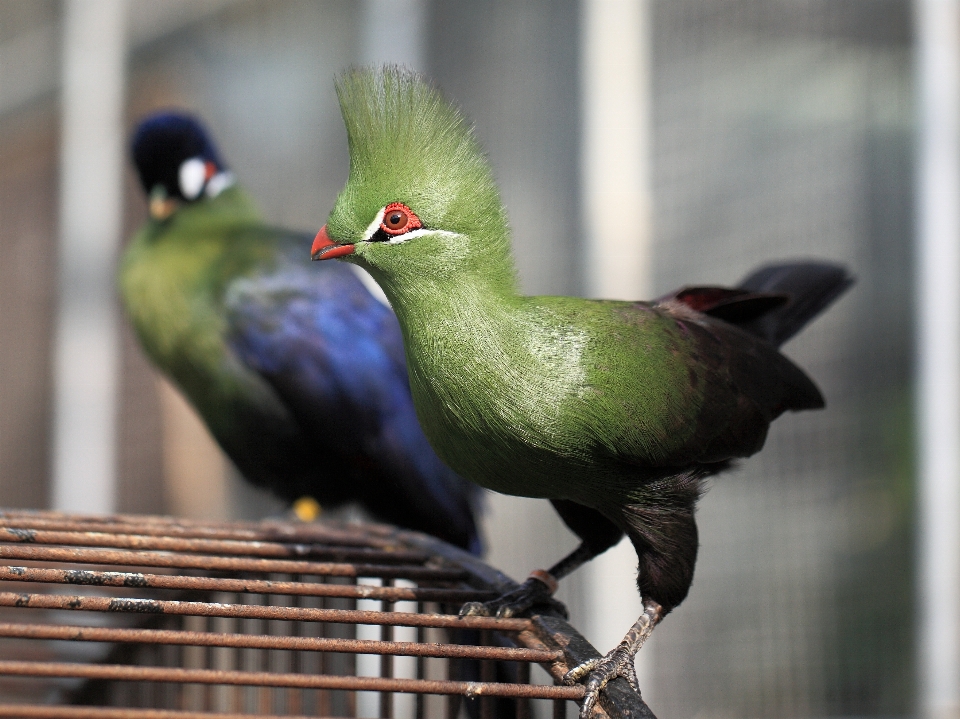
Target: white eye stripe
(400,239)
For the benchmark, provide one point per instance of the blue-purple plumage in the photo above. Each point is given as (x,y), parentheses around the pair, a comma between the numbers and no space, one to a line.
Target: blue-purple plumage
(330,350)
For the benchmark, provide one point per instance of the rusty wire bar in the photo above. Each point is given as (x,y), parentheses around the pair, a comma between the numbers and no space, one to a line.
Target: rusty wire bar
(275,679)
(259,625)
(83,577)
(228,547)
(372,535)
(254,641)
(265,531)
(32,711)
(247,611)
(136,558)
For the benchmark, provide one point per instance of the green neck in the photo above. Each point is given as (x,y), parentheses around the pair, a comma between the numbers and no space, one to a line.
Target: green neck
(431,286)
(231,207)
(172,279)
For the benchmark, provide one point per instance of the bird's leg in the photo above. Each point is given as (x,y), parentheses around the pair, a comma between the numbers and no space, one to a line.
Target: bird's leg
(662,529)
(619,662)
(597,534)
(538,589)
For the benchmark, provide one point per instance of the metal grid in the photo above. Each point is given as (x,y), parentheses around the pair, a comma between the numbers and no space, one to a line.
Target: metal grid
(153,617)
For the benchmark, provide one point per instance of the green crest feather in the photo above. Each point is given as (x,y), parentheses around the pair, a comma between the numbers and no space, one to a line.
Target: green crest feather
(408,144)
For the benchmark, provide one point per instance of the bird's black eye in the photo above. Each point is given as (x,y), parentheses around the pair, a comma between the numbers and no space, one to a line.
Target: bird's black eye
(398,218)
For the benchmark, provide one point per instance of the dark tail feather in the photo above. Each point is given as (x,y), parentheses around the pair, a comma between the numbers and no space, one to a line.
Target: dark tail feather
(811,287)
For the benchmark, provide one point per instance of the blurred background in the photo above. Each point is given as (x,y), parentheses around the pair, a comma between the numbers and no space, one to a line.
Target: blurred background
(640,146)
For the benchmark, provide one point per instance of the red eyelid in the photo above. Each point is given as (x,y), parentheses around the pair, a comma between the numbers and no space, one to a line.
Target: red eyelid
(413,222)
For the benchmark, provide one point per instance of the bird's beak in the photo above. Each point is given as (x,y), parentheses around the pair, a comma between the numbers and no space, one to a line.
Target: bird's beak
(162,207)
(326,249)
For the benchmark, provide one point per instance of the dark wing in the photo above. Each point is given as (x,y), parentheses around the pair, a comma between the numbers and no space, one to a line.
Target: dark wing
(774,302)
(334,354)
(733,305)
(742,384)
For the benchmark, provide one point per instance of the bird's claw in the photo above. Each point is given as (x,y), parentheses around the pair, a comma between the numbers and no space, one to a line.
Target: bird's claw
(599,671)
(529,594)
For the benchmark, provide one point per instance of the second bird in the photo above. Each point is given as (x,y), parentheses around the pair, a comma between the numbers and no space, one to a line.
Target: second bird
(278,355)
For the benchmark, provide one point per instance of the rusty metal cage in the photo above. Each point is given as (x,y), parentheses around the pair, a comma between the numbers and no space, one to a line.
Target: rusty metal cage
(149,617)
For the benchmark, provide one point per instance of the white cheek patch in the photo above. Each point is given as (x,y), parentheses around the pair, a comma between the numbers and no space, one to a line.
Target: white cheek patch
(192,175)
(220,182)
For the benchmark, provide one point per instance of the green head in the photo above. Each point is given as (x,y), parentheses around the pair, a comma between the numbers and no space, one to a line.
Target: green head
(420,202)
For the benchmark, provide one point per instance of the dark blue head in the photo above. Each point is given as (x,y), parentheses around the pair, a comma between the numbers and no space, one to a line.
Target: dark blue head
(176,161)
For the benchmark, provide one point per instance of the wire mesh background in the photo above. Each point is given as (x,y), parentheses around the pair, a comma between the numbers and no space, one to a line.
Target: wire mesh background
(258,619)
(785,129)
(781,128)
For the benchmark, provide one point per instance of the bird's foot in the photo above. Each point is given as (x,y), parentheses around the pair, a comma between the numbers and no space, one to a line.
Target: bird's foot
(617,663)
(536,591)
(598,672)
(306,509)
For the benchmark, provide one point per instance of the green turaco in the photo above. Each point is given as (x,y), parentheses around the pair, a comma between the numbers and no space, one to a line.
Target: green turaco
(615,411)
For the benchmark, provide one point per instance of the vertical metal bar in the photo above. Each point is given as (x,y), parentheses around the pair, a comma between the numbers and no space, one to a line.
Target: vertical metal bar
(523,677)
(615,149)
(156,687)
(325,708)
(265,703)
(207,691)
(295,696)
(488,673)
(236,663)
(386,660)
(452,666)
(91,204)
(559,709)
(938,355)
(180,695)
(175,659)
(351,659)
(421,667)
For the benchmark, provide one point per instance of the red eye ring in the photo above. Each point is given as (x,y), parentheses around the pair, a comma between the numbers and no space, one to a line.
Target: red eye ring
(399,219)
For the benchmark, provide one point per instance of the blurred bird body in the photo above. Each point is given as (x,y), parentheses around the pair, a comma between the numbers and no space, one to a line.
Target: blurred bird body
(616,411)
(274,356)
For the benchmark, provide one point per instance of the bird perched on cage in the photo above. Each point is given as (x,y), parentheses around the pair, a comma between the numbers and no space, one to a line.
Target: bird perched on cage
(274,355)
(615,411)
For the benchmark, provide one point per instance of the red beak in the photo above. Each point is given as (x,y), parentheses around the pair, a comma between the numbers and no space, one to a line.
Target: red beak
(326,249)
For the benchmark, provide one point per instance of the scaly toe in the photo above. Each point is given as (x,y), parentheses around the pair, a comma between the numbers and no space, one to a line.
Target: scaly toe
(598,673)
(529,594)
(474,609)
(580,671)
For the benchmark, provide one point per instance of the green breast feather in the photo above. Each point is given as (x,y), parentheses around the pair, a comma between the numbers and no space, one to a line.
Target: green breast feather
(549,386)
(172,281)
